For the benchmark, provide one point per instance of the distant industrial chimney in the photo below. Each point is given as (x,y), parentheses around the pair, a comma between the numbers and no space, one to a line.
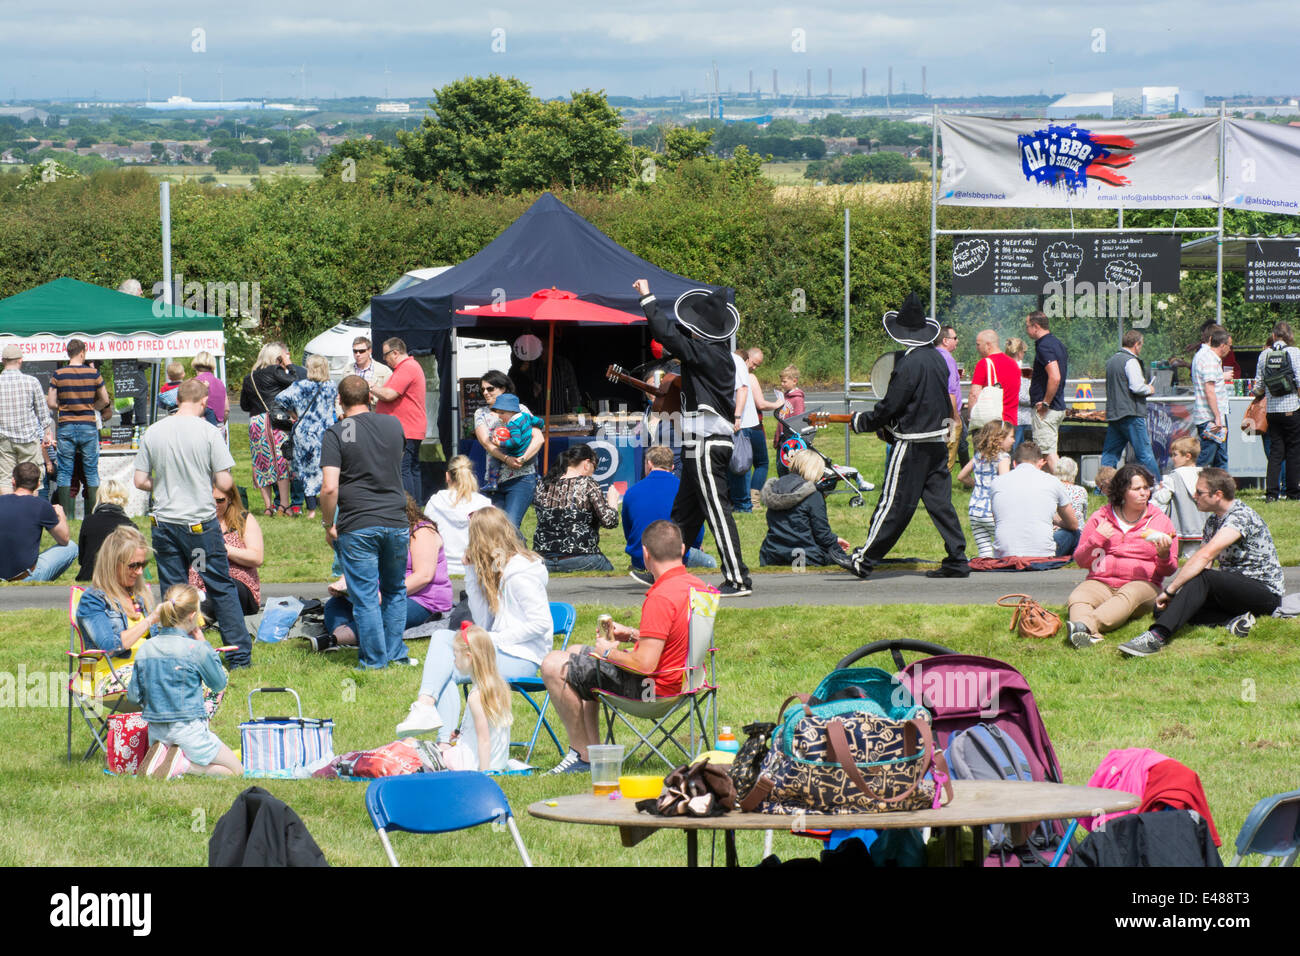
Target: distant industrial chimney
(923,81)
(751,82)
(864,82)
(810,83)
(829,88)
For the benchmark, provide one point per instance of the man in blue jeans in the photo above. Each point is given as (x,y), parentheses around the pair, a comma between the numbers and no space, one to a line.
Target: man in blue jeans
(181,459)
(363,509)
(76,392)
(1126,407)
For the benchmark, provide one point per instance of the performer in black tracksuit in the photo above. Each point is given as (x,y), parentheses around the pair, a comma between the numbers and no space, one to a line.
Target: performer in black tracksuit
(917,412)
(697,331)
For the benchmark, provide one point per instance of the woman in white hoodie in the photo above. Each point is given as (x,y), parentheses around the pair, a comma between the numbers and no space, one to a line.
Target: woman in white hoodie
(506,584)
(450,509)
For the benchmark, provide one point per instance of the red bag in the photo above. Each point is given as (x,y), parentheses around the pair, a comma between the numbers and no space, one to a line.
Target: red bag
(391,760)
(128,739)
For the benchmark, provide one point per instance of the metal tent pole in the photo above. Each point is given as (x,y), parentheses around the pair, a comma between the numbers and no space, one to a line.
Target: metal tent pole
(848,405)
(1218,285)
(934,203)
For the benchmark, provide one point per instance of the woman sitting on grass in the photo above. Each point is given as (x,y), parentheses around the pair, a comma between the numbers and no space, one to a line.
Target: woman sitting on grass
(483,740)
(170,673)
(117,609)
(244,551)
(571,510)
(797,526)
(993,444)
(506,584)
(1128,547)
(1247,582)
(450,509)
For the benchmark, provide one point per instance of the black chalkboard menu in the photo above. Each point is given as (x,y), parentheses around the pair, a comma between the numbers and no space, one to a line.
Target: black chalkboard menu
(471,400)
(130,379)
(1004,264)
(1273,271)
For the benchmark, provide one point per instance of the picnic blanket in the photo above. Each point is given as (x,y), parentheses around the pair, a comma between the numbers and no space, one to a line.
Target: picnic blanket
(1018,564)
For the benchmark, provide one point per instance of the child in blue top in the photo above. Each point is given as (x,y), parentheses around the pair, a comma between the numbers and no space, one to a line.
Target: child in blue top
(515,433)
(992,457)
(171,669)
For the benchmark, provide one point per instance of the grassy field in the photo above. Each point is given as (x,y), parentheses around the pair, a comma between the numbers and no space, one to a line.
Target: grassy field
(179,174)
(1225,707)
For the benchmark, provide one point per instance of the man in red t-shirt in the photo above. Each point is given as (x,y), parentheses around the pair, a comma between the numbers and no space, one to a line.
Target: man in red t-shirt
(402,396)
(1004,372)
(652,668)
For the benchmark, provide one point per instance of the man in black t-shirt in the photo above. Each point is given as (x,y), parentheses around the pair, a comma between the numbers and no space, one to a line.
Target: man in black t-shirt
(363,509)
(1046,386)
(23,515)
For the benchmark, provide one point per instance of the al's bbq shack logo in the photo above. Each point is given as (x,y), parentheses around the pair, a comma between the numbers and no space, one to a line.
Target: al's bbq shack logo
(1068,157)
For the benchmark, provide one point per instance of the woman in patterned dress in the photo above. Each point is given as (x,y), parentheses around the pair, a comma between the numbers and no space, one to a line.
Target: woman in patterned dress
(270,376)
(312,402)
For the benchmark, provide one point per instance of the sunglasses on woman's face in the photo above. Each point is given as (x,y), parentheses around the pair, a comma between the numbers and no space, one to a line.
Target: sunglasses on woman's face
(137,565)
(220,501)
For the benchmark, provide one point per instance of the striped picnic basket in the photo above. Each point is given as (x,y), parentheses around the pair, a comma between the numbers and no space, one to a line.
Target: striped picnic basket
(273,744)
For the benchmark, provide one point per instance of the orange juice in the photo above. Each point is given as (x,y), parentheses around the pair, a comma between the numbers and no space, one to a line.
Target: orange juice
(603,790)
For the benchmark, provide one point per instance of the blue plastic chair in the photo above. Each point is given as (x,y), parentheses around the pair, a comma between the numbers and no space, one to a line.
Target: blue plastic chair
(438,803)
(563,620)
(1272,828)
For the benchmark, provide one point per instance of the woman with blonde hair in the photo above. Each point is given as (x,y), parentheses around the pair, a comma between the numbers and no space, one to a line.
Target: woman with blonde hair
(109,513)
(205,370)
(244,550)
(798,529)
(450,510)
(167,683)
(1016,349)
(311,402)
(270,376)
(117,609)
(506,584)
(483,740)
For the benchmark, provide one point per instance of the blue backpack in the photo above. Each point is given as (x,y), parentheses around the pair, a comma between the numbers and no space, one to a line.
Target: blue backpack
(984,752)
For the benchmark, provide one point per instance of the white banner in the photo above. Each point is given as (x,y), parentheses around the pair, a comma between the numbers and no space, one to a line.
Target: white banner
(1262,167)
(1151,164)
(142,345)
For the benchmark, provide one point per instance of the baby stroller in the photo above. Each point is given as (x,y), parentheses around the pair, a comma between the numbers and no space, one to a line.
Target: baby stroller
(795,435)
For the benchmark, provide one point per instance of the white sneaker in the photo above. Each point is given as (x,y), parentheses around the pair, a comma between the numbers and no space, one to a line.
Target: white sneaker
(421,719)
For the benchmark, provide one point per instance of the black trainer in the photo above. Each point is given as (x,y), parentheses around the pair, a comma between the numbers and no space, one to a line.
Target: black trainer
(735,590)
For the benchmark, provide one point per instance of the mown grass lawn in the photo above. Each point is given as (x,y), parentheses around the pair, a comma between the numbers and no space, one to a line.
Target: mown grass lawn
(1228,708)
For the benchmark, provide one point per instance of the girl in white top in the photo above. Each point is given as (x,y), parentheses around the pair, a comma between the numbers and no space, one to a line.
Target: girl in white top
(483,741)
(450,510)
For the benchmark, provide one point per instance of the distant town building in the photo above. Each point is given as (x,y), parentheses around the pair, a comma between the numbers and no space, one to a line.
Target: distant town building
(1128,101)
(393,108)
(24,114)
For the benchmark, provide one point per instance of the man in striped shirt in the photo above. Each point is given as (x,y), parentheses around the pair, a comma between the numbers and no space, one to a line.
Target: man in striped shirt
(24,420)
(76,392)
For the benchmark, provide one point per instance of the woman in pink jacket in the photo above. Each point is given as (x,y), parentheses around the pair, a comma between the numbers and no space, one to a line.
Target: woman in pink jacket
(1129,547)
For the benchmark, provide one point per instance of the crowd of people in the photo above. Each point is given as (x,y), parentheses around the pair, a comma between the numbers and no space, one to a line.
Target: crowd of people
(354,448)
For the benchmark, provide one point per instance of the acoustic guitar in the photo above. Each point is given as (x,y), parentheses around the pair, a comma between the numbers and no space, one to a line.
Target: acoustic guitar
(666,397)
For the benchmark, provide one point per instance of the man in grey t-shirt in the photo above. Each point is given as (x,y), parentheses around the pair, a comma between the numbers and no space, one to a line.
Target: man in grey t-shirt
(1024,500)
(181,459)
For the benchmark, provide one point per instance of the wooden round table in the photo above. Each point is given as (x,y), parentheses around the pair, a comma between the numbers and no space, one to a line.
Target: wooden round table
(975,804)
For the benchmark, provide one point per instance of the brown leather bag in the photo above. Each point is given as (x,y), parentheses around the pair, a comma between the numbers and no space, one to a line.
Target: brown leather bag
(1031,619)
(1255,418)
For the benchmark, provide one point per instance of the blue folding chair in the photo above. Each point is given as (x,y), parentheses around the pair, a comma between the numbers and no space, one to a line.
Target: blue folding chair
(438,803)
(563,619)
(1272,828)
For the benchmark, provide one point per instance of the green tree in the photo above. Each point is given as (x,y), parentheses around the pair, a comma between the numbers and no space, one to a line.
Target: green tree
(684,143)
(359,150)
(222,160)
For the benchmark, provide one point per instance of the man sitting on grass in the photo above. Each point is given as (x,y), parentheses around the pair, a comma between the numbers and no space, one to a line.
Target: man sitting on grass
(1247,582)
(650,500)
(1025,500)
(653,666)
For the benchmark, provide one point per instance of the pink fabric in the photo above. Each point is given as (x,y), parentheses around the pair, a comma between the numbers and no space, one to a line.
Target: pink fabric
(1126,556)
(1123,770)
(216,394)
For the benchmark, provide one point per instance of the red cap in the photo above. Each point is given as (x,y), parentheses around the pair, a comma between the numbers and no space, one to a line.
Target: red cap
(656,349)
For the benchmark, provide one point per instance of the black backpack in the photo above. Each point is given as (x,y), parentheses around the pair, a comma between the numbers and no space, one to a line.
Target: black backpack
(1277,374)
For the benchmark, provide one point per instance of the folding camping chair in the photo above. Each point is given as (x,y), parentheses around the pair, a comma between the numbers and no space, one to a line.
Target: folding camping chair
(1272,828)
(96,681)
(697,702)
(563,619)
(438,803)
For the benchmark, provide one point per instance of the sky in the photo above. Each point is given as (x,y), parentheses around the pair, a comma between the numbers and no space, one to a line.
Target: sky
(84,49)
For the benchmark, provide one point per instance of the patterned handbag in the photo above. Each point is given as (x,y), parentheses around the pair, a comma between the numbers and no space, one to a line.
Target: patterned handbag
(858,745)
(1031,619)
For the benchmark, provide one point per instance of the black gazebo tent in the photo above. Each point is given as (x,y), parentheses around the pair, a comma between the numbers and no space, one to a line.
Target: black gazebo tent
(550,245)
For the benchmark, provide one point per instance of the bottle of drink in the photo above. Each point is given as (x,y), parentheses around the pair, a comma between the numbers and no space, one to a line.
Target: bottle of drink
(727,742)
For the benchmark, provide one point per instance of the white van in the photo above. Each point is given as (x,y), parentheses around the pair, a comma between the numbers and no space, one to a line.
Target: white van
(474,357)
